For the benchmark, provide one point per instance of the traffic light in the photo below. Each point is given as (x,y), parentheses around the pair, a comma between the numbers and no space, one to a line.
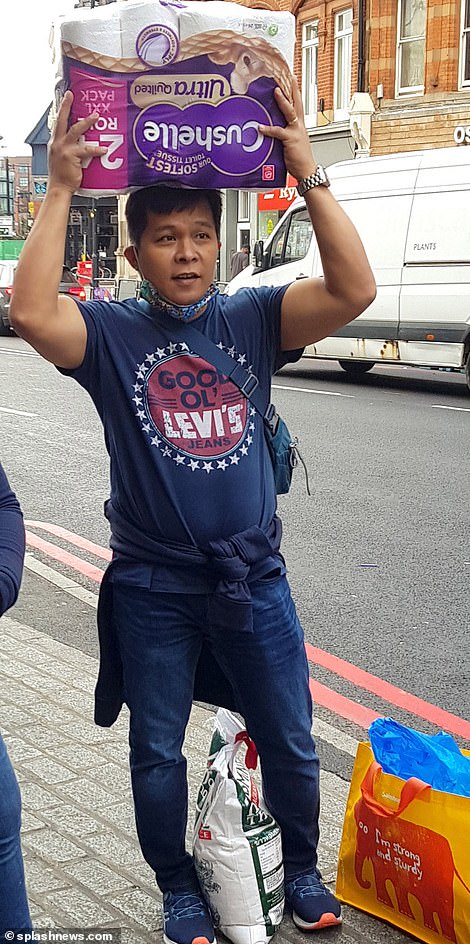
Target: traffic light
(31,207)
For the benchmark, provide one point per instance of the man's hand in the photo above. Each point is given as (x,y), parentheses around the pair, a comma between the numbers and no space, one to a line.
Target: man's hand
(53,324)
(298,155)
(68,148)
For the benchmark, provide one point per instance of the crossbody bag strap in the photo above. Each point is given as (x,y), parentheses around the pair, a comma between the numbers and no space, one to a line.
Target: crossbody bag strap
(245,380)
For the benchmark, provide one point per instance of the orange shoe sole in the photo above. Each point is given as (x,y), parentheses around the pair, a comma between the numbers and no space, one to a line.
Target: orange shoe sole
(327,920)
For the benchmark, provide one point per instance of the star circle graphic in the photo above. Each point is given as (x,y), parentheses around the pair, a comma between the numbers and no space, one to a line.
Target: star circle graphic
(191,412)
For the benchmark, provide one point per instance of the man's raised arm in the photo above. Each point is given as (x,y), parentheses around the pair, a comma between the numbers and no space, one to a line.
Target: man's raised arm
(315,308)
(52,323)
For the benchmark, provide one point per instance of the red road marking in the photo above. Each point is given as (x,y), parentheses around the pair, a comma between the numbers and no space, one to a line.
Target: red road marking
(386,691)
(321,694)
(104,552)
(342,706)
(58,554)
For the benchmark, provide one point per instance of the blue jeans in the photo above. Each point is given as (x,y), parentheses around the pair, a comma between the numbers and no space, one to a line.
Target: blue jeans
(14,911)
(160,638)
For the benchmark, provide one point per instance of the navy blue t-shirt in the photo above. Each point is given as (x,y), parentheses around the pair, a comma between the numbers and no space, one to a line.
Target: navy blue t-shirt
(188,456)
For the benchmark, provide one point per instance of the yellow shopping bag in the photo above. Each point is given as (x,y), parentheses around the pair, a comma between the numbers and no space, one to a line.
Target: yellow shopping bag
(405,853)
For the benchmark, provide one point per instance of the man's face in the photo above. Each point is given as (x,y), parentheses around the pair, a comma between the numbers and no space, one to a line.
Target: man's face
(178,252)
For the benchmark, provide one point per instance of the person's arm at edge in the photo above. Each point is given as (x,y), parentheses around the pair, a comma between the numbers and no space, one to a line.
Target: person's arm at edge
(315,308)
(12,544)
(50,322)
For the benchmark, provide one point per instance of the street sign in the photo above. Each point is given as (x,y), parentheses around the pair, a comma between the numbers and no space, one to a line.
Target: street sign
(462,134)
(6,225)
(39,187)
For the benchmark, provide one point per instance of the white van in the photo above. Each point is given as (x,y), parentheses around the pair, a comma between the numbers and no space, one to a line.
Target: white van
(412,211)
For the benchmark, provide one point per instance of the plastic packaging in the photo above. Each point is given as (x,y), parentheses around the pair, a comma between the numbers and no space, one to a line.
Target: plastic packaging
(434,758)
(180,87)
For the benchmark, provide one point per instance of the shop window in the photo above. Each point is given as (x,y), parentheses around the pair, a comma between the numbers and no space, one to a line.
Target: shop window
(310,71)
(342,64)
(411,46)
(465,48)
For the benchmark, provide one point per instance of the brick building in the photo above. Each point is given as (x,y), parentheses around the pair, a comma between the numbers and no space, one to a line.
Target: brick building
(15,196)
(329,65)
(378,76)
(419,73)
(411,56)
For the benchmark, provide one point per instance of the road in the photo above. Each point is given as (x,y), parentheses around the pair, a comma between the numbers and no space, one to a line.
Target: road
(378,556)
(390,479)
(381,558)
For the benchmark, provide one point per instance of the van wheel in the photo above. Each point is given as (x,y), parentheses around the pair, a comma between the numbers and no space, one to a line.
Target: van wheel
(467,371)
(359,367)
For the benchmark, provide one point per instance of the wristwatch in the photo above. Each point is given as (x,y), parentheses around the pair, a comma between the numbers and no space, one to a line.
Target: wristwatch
(318,179)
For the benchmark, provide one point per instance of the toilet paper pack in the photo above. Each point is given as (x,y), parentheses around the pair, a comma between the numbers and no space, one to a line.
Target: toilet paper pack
(180,88)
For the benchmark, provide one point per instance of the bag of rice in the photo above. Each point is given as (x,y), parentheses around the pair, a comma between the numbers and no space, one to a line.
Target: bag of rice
(237,843)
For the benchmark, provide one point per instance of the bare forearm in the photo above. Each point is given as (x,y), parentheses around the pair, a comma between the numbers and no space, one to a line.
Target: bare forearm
(346,269)
(39,269)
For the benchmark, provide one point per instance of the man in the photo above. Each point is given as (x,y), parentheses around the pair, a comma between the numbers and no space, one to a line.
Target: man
(196,565)
(14,911)
(239,261)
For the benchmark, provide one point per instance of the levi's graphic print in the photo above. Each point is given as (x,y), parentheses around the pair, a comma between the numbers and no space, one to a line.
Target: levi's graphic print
(192,412)
(188,456)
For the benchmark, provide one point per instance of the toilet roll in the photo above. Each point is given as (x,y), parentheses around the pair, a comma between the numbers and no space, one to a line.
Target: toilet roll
(138,20)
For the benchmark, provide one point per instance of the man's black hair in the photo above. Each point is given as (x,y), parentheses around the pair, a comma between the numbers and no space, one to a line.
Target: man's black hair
(167,200)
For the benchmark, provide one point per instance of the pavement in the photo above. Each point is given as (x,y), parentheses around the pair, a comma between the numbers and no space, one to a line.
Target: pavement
(84,868)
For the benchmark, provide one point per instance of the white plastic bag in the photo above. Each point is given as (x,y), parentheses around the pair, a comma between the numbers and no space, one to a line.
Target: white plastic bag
(237,843)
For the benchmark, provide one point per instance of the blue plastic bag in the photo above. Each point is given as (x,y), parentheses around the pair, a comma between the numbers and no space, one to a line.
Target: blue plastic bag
(406,753)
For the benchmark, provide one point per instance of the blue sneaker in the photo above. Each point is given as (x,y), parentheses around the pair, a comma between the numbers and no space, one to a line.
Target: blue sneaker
(186,918)
(313,906)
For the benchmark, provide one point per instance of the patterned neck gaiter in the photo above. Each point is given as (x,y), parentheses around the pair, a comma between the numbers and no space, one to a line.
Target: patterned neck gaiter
(180,312)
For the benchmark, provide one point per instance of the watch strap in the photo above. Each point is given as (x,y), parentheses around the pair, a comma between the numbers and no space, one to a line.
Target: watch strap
(317,179)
